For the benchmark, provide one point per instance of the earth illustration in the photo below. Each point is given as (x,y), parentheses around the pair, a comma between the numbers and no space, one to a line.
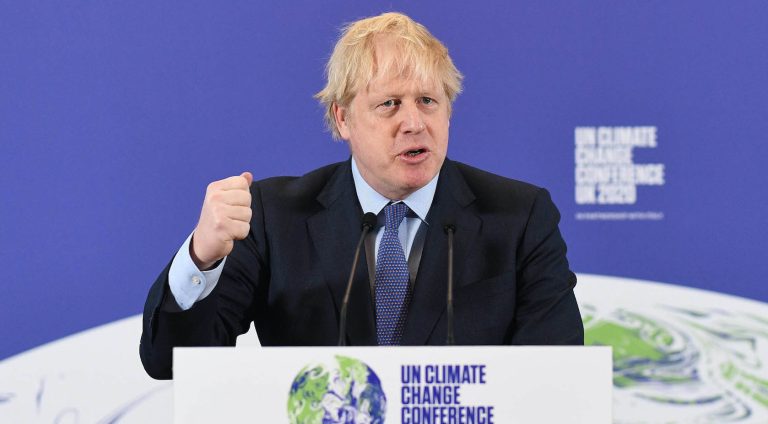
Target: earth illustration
(680,355)
(346,391)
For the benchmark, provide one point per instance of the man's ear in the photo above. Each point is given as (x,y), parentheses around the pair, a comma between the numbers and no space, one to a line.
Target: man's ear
(341,115)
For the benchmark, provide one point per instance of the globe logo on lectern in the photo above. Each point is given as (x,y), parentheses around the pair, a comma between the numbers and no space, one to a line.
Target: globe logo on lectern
(346,391)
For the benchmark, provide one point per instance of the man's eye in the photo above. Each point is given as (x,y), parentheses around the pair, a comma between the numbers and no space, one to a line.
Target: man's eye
(427,100)
(390,103)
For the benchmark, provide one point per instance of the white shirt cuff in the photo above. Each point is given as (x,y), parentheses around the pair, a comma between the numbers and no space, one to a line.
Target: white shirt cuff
(188,284)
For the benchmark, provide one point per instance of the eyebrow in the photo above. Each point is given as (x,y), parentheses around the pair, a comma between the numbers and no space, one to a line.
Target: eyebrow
(401,95)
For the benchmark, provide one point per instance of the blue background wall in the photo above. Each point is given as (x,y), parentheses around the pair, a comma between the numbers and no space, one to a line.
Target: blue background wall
(114,116)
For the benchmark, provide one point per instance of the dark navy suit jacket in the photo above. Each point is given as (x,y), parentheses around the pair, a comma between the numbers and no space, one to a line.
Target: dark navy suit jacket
(513,284)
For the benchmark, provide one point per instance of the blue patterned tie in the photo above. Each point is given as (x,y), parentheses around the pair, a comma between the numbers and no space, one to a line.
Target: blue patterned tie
(392,290)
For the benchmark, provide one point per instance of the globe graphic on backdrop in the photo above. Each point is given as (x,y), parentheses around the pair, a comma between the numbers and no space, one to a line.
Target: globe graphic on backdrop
(680,355)
(345,391)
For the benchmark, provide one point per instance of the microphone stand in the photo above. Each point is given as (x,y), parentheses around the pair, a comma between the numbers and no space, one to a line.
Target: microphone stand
(450,341)
(369,221)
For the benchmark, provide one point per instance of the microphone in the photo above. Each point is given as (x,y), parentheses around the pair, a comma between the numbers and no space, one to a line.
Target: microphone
(369,221)
(450,229)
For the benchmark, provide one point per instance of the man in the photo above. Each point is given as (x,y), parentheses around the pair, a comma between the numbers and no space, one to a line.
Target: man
(277,252)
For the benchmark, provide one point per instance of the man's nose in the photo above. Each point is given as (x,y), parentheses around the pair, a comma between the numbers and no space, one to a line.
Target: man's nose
(413,121)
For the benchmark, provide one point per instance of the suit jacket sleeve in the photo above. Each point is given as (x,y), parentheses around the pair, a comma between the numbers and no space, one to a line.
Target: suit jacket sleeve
(216,320)
(546,310)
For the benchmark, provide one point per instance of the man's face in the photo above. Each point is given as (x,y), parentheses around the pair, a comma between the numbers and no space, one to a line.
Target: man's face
(397,130)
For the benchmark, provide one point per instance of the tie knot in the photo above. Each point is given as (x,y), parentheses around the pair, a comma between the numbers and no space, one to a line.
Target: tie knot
(394,214)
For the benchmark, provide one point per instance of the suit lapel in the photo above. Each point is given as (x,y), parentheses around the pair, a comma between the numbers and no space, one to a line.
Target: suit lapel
(334,232)
(451,204)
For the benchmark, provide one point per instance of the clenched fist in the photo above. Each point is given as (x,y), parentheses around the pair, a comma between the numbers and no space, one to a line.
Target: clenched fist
(225,217)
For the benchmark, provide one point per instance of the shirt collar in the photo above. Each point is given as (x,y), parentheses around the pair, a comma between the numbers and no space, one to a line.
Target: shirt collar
(371,201)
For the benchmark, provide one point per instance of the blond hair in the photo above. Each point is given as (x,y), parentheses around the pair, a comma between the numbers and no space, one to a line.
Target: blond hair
(353,66)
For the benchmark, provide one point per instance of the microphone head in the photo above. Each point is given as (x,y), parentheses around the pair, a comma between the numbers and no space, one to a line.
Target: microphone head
(369,220)
(448,226)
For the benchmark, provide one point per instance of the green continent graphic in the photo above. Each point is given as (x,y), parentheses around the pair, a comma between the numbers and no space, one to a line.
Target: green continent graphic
(641,348)
(346,391)
(746,383)
(307,391)
(685,365)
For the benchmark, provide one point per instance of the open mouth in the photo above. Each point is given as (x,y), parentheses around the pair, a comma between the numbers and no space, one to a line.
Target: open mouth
(414,153)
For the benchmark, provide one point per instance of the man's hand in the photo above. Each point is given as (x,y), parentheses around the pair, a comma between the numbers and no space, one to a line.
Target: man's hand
(226,217)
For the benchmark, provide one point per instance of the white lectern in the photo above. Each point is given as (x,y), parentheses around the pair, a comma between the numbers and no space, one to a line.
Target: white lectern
(409,385)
